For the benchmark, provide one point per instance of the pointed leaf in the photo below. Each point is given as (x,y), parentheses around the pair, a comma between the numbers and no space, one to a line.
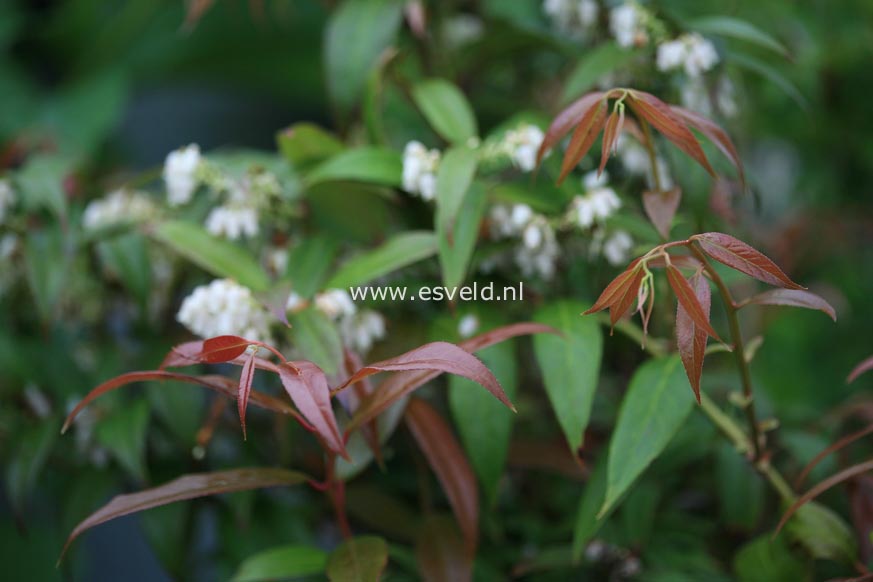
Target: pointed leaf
(306,143)
(281,562)
(454,177)
(625,296)
(446,109)
(360,559)
(661,208)
(317,338)
(662,118)
(715,134)
(397,252)
(738,255)
(456,245)
(188,487)
(610,136)
(691,338)
(823,534)
(864,366)
(223,348)
(366,164)
(440,552)
(565,121)
(448,462)
(583,138)
(188,354)
(352,399)
(791,298)
(245,388)
(614,291)
(738,29)
(308,389)
(688,300)
(570,366)
(652,412)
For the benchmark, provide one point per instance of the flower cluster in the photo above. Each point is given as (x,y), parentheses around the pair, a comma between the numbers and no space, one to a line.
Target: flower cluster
(597,204)
(615,247)
(117,207)
(572,17)
(359,328)
(232,221)
(627,23)
(224,307)
(419,170)
(690,52)
(522,144)
(180,174)
(538,250)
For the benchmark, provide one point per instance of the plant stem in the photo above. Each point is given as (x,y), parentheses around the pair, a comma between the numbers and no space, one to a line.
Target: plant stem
(653,158)
(739,352)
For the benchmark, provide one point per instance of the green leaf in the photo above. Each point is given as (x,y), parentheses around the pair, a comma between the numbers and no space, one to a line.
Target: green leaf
(309,262)
(740,490)
(317,338)
(41,183)
(126,256)
(180,410)
(454,177)
(398,252)
(367,164)
(456,245)
(31,450)
(46,266)
(360,559)
(654,408)
(446,109)
(484,424)
(217,256)
(282,562)
(593,65)
(305,143)
(588,523)
(769,73)
(358,32)
(738,29)
(823,534)
(570,365)
(123,433)
(767,560)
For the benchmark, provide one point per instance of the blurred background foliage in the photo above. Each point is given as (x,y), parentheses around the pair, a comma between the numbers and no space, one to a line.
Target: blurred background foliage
(109,87)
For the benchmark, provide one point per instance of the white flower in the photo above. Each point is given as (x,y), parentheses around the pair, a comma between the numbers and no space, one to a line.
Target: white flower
(690,52)
(572,17)
(419,170)
(597,204)
(232,222)
(360,330)
(522,145)
(7,198)
(617,247)
(468,325)
(295,302)
(592,181)
(335,303)
(539,249)
(224,307)
(180,174)
(508,221)
(626,25)
(633,156)
(8,246)
(671,55)
(695,97)
(117,207)
(276,260)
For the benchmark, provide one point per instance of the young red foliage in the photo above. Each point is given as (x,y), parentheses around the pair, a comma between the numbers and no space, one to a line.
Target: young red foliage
(688,301)
(584,135)
(446,457)
(187,487)
(223,348)
(246,376)
(864,366)
(738,255)
(354,397)
(610,137)
(661,207)
(690,338)
(620,292)
(791,298)
(307,386)
(566,120)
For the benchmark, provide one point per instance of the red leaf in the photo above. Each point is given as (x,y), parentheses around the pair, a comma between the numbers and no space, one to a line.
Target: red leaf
(308,389)
(401,384)
(791,298)
(715,134)
(625,296)
(245,388)
(440,552)
(691,339)
(448,461)
(831,481)
(840,444)
(187,487)
(220,384)
(610,136)
(441,357)
(223,348)
(354,397)
(738,255)
(688,300)
(566,120)
(614,290)
(661,117)
(661,208)
(583,137)
(864,366)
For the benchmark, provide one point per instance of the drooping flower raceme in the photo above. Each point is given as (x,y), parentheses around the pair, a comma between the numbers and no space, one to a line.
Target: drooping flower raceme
(7,198)
(538,249)
(117,207)
(180,174)
(690,52)
(627,24)
(359,329)
(419,170)
(224,307)
(597,204)
(522,144)
(232,221)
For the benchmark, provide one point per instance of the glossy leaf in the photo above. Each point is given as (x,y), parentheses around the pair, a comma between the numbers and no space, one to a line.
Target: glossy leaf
(565,121)
(357,33)
(456,246)
(652,412)
(440,552)
(397,252)
(715,134)
(738,29)
(305,143)
(570,366)
(188,487)
(366,164)
(446,458)
(738,255)
(690,337)
(792,298)
(446,109)
(223,348)
(656,112)
(403,383)
(688,300)
(454,177)
(661,208)
(359,559)
(292,561)
(620,293)
(862,367)
(308,389)
(217,256)
(583,137)
(189,354)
